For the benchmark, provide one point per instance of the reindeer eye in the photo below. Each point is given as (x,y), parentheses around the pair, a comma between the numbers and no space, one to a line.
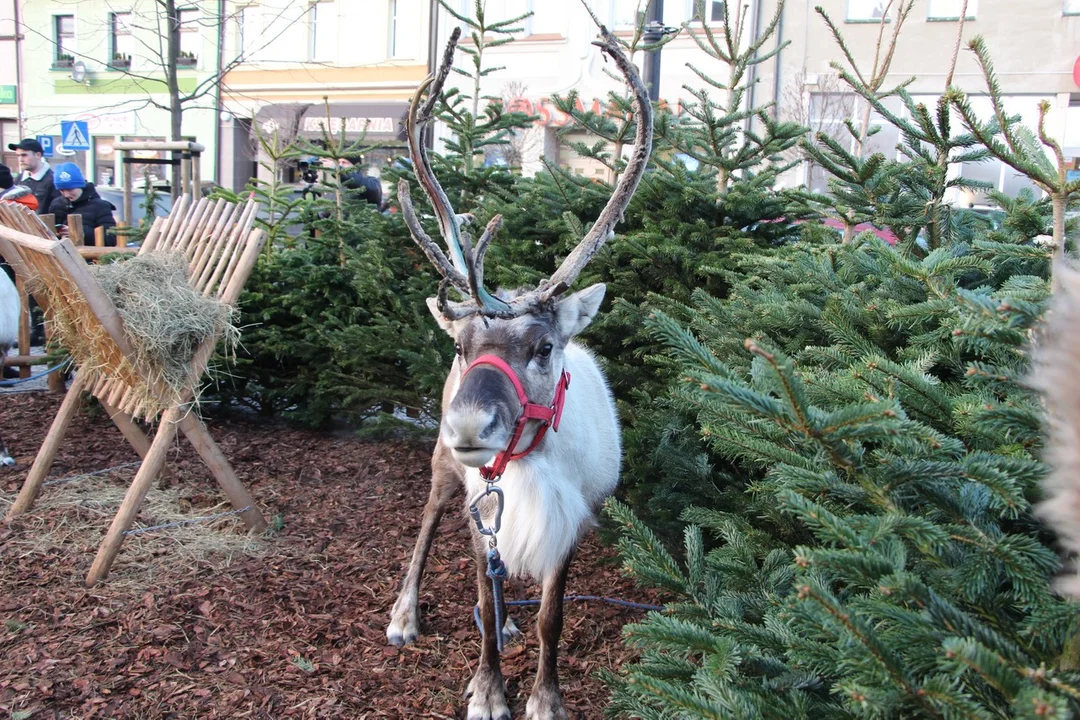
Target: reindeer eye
(545,351)
(458,350)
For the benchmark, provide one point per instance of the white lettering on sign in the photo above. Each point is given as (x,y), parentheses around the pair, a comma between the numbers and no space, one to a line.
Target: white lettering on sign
(118,123)
(385,125)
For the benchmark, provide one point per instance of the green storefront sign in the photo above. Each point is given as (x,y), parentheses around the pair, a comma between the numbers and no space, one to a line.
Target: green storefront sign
(8,94)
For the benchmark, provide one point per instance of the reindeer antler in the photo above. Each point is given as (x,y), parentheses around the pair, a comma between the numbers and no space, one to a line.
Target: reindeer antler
(464,269)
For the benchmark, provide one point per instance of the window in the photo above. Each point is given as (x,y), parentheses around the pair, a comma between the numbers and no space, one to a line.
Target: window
(865,10)
(190,37)
(714,11)
(1071,7)
(626,14)
(827,114)
(247,31)
(121,41)
(399,34)
(950,9)
(64,26)
(503,10)
(676,12)
(322,32)
(548,18)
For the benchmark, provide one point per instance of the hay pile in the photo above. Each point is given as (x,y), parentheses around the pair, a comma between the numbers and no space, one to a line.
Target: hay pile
(164,318)
(72,515)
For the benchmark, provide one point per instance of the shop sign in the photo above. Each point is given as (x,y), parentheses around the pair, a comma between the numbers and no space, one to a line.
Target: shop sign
(548,115)
(9,94)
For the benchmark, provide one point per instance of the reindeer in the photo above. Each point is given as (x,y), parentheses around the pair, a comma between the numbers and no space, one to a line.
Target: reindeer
(510,382)
(9,333)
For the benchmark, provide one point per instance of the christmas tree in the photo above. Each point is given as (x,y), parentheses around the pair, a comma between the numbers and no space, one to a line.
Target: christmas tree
(865,544)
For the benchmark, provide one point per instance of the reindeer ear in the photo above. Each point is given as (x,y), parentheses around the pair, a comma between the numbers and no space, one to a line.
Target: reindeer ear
(447,325)
(577,311)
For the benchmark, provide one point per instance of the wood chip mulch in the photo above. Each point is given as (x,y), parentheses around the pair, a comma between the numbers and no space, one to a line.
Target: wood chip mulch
(291,627)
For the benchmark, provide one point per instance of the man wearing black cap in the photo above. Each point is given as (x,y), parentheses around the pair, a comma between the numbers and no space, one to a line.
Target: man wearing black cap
(36,173)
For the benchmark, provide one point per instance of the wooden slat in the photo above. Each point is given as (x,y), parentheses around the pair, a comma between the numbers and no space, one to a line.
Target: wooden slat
(226,269)
(205,257)
(96,253)
(239,232)
(231,293)
(75,230)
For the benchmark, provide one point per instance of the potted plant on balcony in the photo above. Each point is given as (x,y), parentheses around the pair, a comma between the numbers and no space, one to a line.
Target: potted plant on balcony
(63,60)
(186,58)
(120,61)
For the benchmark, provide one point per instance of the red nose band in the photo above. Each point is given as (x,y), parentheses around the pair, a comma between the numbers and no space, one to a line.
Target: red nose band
(546,416)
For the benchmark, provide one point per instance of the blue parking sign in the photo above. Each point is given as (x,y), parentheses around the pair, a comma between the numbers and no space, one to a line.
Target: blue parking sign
(46,145)
(75,134)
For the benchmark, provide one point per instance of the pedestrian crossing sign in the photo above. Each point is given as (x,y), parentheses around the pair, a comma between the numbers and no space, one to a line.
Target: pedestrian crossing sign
(74,134)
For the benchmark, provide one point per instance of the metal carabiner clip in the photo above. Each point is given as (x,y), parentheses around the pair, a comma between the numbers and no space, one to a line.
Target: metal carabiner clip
(475,511)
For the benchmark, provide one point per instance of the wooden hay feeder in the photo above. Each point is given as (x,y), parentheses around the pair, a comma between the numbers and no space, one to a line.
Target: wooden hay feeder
(220,248)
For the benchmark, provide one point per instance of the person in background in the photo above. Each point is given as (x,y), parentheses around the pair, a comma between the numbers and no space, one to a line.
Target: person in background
(15,193)
(36,173)
(354,178)
(79,197)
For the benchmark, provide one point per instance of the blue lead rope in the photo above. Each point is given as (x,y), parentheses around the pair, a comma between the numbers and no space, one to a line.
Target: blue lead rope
(20,381)
(566,598)
(496,570)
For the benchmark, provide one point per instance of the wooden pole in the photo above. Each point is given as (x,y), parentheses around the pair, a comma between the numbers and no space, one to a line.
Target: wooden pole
(211,454)
(128,180)
(32,485)
(75,230)
(99,236)
(24,323)
(129,508)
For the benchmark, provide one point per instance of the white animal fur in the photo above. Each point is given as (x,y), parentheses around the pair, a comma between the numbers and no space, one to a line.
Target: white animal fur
(9,334)
(552,493)
(1057,375)
(9,312)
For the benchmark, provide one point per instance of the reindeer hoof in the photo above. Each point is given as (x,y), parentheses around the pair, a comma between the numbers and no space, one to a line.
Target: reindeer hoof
(545,704)
(398,635)
(7,460)
(487,697)
(404,626)
(510,630)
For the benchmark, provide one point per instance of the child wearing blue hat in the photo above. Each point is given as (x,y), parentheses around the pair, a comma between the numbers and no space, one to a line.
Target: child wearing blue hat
(79,197)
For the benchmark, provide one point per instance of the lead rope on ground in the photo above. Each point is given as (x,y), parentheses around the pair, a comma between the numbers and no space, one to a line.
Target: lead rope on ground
(80,476)
(568,598)
(20,381)
(189,521)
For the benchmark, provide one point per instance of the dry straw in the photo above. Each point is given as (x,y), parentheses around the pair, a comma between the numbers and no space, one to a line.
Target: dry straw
(165,320)
(71,513)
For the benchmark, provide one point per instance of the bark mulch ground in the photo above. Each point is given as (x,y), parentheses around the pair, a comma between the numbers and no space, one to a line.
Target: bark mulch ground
(204,621)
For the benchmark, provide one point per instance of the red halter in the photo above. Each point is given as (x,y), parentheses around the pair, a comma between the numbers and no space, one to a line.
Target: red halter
(546,416)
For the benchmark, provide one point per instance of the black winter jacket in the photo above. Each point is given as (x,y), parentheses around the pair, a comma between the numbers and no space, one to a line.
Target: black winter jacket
(96,212)
(368,188)
(43,189)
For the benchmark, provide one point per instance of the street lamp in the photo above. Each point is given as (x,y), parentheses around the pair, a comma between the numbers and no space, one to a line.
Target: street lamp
(653,32)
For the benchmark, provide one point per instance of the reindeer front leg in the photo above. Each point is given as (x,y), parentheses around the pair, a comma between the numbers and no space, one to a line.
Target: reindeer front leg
(486,691)
(545,702)
(5,458)
(446,476)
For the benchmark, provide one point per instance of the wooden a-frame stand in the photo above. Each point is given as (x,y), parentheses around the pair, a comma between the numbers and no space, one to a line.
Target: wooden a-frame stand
(221,249)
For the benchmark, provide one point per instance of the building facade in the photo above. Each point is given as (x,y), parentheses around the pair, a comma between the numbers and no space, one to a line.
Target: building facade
(1035,47)
(103,62)
(251,68)
(311,68)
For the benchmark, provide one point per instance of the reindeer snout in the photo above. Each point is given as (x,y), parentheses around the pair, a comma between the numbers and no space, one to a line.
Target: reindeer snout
(473,435)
